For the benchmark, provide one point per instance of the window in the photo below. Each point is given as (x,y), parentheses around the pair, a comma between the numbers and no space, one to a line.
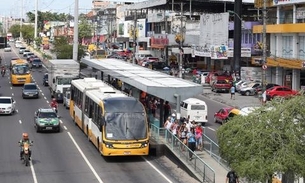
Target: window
(86,106)
(302,46)
(287,46)
(198,107)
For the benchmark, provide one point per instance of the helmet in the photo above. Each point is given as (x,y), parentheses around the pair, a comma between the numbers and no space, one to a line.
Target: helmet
(25,136)
(54,99)
(173,115)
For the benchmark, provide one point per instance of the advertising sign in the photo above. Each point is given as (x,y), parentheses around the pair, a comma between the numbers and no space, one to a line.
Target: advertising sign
(284,2)
(219,52)
(213,30)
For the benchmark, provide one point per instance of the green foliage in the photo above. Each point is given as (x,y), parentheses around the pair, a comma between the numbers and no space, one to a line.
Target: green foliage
(28,32)
(64,50)
(47,16)
(84,28)
(15,30)
(271,139)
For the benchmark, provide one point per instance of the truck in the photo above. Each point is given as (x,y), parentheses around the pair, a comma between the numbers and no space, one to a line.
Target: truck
(60,74)
(3,42)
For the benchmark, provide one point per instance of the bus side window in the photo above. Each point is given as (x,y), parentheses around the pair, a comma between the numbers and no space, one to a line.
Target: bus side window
(90,109)
(86,105)
(72,92)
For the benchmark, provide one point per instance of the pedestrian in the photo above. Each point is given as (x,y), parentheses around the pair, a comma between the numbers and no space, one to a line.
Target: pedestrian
(191,142)
(166,109)
(198,135)
(232,91)
(232,177)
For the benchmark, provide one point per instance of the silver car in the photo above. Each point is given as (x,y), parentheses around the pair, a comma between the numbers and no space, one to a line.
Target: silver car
(30,90)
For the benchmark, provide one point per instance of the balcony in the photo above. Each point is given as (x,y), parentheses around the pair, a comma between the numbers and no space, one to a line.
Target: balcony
(281,28)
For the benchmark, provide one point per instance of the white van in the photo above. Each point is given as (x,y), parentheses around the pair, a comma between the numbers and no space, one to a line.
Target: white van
(194,109)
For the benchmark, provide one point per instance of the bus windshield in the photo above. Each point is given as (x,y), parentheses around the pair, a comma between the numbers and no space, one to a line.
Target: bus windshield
(125,126)
(21,69)
(125,119)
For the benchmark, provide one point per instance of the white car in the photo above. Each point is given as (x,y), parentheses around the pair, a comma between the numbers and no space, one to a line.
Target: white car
(7,105)
(7,49)
(66,101)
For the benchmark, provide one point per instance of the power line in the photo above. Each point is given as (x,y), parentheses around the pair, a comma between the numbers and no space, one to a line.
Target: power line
(47,6)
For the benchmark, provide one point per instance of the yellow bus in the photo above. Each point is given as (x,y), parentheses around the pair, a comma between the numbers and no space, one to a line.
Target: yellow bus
(114,122)
(20,72)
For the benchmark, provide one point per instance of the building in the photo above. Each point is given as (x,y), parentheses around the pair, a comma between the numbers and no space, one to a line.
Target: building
(285,42)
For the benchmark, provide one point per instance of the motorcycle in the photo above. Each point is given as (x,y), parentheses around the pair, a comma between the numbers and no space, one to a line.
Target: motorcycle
(3,72)
(26,154)
(55,109)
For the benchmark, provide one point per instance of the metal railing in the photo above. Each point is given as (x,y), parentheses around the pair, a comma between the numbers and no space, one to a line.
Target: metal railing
(202,170)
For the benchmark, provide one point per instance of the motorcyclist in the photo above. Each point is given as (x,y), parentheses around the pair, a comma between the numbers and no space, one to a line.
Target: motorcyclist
(3,70)
(54,104)
(25,139)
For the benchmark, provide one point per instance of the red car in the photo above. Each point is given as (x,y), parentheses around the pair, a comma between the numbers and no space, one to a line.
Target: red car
(279,91)
(222,115)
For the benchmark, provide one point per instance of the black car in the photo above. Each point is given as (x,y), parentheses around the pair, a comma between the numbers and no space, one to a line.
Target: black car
(156,65)
(45,80)
(30,90)
(36,62)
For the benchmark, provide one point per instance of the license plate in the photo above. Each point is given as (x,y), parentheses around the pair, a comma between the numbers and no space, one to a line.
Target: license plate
(49,128)
(126,152)
(31,95)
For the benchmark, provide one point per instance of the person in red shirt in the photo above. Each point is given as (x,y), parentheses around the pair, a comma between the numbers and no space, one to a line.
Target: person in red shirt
(54,104)
(198,135)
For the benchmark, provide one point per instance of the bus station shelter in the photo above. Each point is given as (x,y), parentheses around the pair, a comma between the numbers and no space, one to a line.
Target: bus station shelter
(142,79)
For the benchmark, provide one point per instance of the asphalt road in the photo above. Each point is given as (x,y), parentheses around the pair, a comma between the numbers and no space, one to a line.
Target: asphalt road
(67,156)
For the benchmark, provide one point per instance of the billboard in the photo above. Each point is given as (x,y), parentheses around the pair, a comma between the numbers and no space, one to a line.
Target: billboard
(214,29)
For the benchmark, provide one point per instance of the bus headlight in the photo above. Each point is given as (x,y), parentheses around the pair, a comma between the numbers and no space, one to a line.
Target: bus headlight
(109,145)
(144,144)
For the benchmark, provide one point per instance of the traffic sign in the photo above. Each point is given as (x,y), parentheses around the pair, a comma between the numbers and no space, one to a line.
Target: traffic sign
(264,67)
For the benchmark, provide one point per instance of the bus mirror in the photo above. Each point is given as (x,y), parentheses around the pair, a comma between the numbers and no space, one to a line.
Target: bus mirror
(53,80)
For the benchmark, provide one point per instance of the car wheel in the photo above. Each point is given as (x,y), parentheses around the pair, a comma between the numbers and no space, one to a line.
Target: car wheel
(37,129)
(247,93)
(215,120)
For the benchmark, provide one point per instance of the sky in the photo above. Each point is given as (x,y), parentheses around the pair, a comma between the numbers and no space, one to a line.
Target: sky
(13,7)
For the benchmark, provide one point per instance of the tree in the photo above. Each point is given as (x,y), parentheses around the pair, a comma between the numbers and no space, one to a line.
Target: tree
(269,140)
(15,30)
(28,32)
(84,29)
(64,50)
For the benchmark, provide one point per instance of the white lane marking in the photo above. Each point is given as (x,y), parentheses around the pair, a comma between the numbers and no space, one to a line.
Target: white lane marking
(45,98)
(33,172)
(167,179)
(20,121)
(17,110)
(65,128)
(60,121)
(47,101)
(9,82)
(12,94)
(40,90)
(85,158)
(42,94)
(11,88)
(211,129)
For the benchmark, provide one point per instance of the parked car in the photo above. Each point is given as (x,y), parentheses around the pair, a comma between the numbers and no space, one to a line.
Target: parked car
(7,105)
(156,65)
(36,62)
(279,91)
(30,90)
(222,115)
(46,119)
(45,81)
(269,85)
(249,89)
(22,49)
(221,85)
(213,76)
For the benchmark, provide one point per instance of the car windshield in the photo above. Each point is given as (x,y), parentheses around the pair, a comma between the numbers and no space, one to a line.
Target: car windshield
(37,61)
(21,69)
(47,115)
(5,101)
(30,87)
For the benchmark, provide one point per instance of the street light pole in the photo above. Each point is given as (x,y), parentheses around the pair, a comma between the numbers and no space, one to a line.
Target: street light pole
(75,32)
(134,38)
(181,42)
(36,23)
(264,44)
(21,19)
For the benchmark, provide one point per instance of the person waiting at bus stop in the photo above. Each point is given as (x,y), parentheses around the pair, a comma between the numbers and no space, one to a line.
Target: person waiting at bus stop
(191,142)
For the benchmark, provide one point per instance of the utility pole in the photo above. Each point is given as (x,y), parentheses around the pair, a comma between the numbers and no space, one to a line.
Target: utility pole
(36,23)
(21,18)
(181,42)
(75,34)
(134,38)
(264,44)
